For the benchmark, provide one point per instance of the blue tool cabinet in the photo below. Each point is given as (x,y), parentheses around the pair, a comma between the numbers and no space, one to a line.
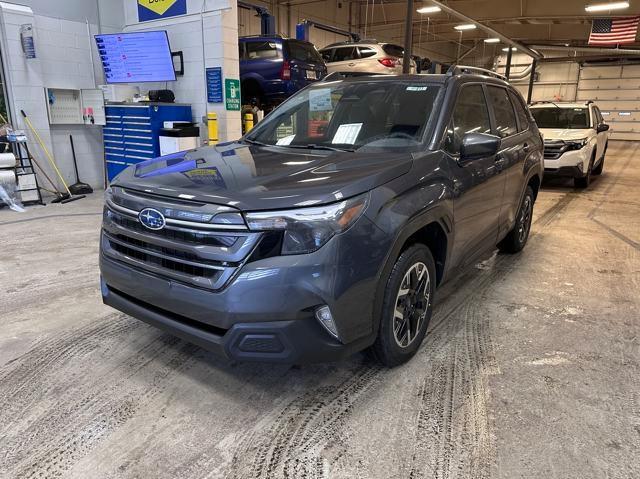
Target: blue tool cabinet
(132,132)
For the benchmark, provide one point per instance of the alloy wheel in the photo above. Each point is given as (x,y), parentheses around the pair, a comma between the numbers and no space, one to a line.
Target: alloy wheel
(412,304)
(524,221)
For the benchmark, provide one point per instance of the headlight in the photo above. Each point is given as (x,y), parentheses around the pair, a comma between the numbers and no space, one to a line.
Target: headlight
(308,229)
(577,144)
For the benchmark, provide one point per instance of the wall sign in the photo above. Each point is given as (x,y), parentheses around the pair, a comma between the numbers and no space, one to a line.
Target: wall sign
(155,9)
(232,94)
(214,85)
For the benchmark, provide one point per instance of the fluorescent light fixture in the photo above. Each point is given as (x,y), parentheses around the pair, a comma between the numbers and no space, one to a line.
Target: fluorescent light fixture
(492,40)
(604,7)
(513,49)
(465,26)
(432,9)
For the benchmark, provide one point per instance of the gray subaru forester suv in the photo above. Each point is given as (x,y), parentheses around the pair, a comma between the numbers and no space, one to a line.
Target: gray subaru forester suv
(326,229)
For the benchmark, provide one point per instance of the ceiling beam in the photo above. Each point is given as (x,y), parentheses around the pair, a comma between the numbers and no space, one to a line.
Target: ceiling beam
(522,48)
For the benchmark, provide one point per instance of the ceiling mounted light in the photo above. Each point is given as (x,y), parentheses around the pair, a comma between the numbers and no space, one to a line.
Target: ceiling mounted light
(466,26)
(433,9)
(604,7)
(513,49)
(492,40)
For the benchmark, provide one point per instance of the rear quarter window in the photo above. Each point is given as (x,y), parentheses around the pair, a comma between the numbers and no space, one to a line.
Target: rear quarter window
(521,112)
(393,50)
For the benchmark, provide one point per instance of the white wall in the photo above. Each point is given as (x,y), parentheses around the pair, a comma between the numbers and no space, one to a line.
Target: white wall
(208,36)
(63,61)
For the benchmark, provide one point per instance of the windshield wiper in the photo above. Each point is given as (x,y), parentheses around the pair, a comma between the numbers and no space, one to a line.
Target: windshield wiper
(254,142)
(313,146)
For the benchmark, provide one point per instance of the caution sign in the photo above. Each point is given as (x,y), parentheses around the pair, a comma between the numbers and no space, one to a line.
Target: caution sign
(155,9)
(232,94)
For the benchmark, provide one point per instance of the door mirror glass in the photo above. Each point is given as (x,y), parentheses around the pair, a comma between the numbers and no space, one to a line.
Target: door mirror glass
(602,127)
(478,145)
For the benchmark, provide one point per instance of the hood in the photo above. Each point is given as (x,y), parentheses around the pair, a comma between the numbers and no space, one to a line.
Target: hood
(565,134)
(254,178)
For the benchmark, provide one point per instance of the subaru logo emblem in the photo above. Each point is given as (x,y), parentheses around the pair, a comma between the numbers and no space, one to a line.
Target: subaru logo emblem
(152,219)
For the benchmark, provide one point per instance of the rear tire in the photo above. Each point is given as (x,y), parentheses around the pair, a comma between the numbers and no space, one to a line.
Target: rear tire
(407,307)
(517,238)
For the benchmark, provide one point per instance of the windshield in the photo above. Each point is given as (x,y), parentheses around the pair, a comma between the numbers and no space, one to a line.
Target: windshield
(554,117)
(350,115)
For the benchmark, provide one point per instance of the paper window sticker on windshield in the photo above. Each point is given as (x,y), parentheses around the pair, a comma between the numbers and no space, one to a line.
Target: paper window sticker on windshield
(417,88)
(286,140)
(347,134)
(320,99)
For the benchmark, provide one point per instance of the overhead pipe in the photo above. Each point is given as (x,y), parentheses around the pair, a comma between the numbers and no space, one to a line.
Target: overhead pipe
(522,48)
(614,51)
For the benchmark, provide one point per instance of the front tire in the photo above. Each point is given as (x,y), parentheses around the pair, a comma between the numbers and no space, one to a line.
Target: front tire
(585,181)
(598,169)
(517,238)
(407,306)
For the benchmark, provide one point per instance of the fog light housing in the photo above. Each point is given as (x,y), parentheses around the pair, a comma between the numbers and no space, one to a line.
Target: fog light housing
(325,318)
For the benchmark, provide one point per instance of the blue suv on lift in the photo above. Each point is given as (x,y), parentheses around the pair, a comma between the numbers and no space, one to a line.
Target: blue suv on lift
(273,68)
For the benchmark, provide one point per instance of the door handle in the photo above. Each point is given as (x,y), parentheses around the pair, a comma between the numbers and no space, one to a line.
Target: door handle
(500,163)
(526,148)
(352,64)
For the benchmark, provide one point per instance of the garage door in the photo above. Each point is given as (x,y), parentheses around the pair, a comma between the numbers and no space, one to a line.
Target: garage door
(616,90)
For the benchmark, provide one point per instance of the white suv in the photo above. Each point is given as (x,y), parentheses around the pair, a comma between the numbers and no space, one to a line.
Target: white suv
(364,57)
(575,139)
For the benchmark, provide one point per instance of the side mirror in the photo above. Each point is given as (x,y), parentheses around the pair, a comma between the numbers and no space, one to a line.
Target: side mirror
(478,145)
(602,127)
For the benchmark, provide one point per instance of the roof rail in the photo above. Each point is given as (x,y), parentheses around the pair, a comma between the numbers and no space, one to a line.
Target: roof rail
(334,76)
(366,41)
(461,69)
(275,35)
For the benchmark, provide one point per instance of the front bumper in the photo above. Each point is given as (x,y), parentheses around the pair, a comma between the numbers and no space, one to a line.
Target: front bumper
(266,313)
(571,163)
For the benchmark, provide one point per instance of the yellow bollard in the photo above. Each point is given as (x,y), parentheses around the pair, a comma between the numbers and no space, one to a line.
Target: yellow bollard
(248,122)
(212,124)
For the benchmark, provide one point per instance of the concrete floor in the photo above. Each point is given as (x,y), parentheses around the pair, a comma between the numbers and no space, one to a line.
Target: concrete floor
(530,369)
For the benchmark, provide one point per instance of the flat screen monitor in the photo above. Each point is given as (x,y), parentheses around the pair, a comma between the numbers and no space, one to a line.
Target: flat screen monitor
(136,57)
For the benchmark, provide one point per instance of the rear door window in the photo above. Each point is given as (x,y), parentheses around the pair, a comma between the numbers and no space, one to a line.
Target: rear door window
(505,117)
(393,50)
(344,54)
(470,115)
(261,49)
(523,118)
(304,52)
(366,52)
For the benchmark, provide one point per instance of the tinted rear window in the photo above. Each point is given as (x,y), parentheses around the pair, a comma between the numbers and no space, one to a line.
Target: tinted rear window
(393,50)
(261,49)
(304,52)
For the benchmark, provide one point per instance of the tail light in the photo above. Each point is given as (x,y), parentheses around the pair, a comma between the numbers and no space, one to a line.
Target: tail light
(388,62)
(285,73)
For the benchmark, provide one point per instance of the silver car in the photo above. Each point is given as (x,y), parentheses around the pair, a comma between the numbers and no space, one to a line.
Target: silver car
(367,57)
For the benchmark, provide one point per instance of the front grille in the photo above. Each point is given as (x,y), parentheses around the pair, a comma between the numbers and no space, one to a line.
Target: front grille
(185,236)
(197,254)
(554,150)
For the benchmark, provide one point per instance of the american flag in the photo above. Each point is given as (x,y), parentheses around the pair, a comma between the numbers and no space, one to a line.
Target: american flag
(612,31)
